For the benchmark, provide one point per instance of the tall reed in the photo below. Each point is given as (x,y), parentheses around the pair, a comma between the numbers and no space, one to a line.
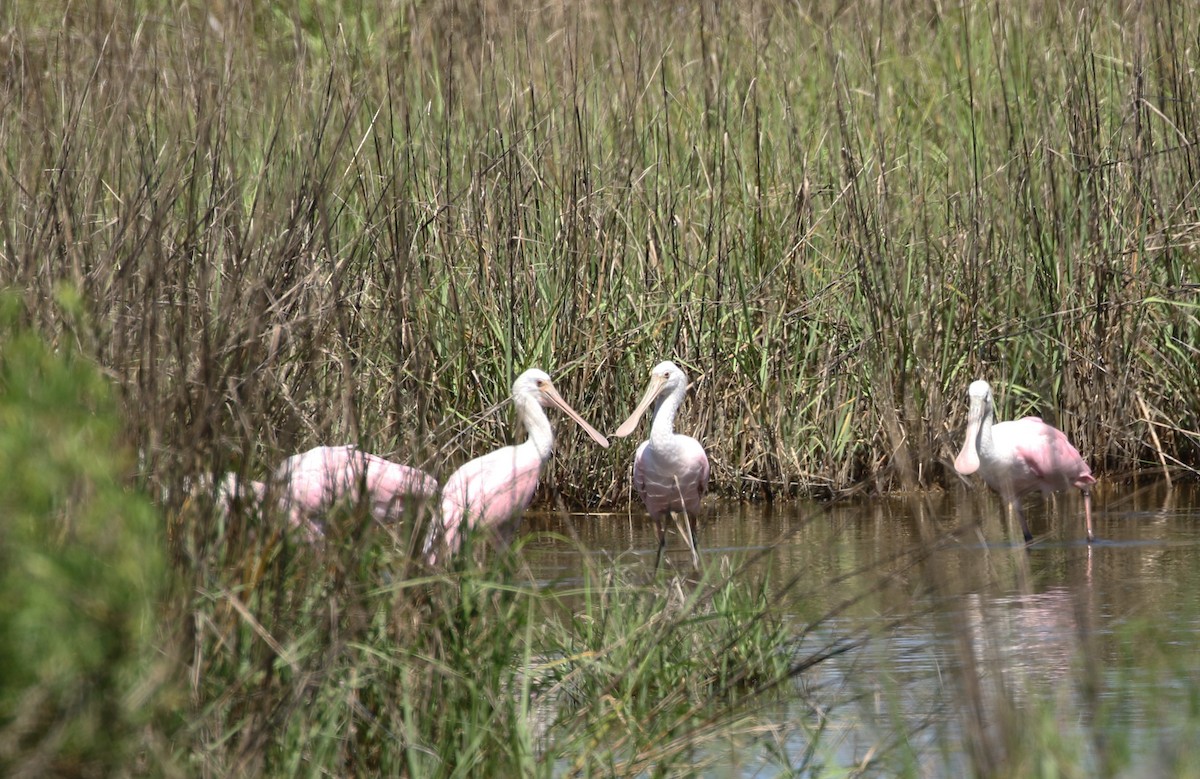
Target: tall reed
(360,223)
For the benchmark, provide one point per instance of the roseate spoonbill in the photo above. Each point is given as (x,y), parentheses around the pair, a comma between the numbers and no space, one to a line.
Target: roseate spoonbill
(670,470)
(493,490)
(312,482)
(1021,455)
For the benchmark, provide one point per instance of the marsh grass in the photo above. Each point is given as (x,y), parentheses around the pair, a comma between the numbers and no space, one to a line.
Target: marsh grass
(360,223)
(351,657)
(325,222)
(351,661)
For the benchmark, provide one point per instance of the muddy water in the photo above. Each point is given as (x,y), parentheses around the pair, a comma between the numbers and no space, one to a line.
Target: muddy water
(933,583)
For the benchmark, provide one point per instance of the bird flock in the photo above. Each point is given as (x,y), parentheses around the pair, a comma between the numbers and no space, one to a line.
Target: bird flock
(670,471)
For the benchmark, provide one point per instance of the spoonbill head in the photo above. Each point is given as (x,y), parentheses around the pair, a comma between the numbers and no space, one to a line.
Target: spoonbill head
(666,380)
(235,490)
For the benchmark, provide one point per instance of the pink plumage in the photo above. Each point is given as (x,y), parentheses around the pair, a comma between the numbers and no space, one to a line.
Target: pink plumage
(492,491)
(313,481)
(670,470)
(1020,456)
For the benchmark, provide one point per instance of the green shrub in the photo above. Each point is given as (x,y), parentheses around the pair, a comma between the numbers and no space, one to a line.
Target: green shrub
(81,571)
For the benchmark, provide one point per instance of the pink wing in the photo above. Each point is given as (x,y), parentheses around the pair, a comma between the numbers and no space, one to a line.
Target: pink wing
(1049,455)
(492,491)
(312,480)
(315,480)
(392,486)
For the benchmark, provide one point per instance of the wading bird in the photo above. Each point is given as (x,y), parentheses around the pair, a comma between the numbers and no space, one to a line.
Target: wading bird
(670,470)
(310,484)
(1020,456)
(492,491)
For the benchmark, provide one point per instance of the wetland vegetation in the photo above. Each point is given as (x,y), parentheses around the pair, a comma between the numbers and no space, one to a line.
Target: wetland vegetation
(234,229)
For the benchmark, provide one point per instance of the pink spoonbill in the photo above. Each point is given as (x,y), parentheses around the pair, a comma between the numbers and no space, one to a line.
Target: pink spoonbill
(312,482)
(1020,456)
(492,491)
(670,470)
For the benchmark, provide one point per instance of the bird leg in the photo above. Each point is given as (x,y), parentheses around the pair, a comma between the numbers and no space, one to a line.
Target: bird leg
(662,541)
(434,540)
(1016,505)
(695,546)
(1087,514)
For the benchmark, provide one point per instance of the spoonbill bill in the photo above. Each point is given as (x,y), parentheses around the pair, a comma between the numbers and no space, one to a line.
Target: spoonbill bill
(670,470)
(492,491)
(1020,456)
(235,490)
(311,482)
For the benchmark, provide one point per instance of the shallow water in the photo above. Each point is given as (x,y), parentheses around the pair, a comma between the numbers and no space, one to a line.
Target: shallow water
(945,580)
